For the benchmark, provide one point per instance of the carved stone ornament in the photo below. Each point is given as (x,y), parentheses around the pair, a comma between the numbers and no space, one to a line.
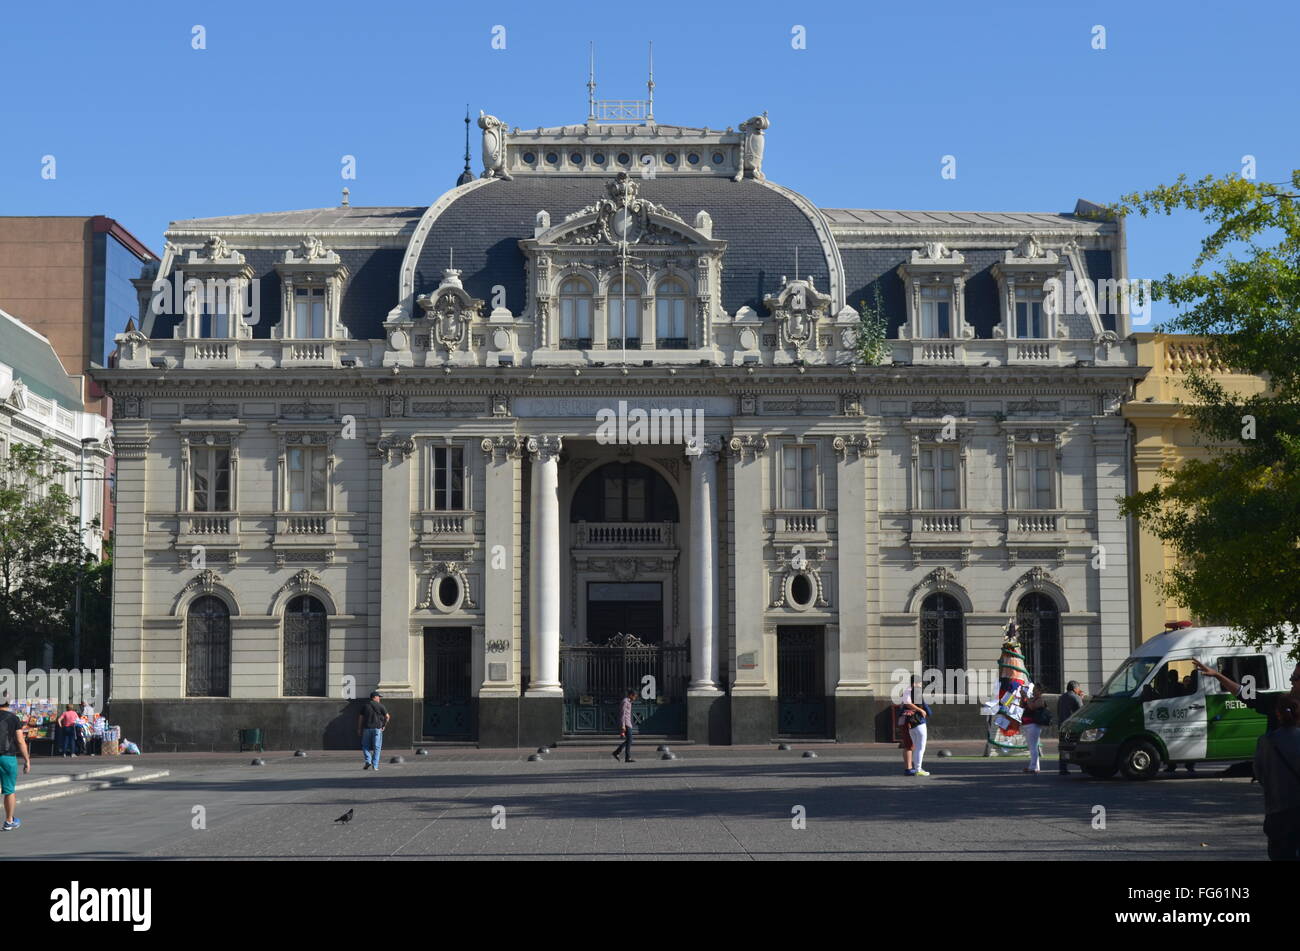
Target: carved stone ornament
(853,446)
(494,146)
(622,218)
(206,581)
(940,579)
(395,446)
(505,447)
(798,306)
(748,446)
(751,150)
(451,309)
(703,449)
(544,448)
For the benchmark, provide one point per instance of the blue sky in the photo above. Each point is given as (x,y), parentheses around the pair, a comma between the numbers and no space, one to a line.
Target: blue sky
(146,129)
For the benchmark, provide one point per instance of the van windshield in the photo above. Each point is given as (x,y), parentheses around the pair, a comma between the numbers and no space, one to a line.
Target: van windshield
(1127,679)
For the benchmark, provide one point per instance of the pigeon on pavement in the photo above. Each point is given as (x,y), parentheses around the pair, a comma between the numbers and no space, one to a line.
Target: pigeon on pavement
(346,817)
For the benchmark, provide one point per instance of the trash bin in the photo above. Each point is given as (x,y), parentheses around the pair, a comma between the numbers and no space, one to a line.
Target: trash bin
(249,740)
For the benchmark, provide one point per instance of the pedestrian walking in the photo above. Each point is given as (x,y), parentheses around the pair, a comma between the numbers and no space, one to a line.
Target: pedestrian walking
(1036,718)
(13,745)
(1067,706)
(1277,767)
(68,731)
(913,715)
(371,722)
(626,729)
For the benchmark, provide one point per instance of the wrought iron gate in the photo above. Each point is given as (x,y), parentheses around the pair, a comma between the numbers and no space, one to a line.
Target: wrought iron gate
(596,677)
(448,702)
(801,698)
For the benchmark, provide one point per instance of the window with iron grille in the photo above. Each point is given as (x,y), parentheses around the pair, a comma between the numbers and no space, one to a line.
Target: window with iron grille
(1039,624)
(207,648)
(943,633)
(305,644)
(448,479)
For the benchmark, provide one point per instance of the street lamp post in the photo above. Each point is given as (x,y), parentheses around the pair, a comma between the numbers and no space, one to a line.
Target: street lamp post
(81,539)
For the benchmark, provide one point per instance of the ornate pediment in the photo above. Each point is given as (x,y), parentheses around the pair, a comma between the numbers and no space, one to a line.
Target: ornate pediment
(621,218)
(798,306)
(451,309)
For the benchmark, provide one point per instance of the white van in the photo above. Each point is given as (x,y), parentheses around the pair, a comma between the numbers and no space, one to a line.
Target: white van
(1157,709)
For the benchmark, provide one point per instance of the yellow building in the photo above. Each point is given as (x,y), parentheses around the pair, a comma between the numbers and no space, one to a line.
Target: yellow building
(1163,435)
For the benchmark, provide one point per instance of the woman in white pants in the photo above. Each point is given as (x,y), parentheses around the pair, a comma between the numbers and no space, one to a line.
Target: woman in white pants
(912,716)
(1033,711)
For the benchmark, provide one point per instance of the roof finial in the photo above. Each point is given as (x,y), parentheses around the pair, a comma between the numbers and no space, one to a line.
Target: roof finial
(650,85)
(466,176)
(346,193)
(591,85)
(796,262)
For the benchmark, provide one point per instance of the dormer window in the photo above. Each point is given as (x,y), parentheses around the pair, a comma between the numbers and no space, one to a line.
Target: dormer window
(936,313)
(1029,313)
(308,313)
(624,315)
(214,313)
(935,281)
(670,316)
(575,314)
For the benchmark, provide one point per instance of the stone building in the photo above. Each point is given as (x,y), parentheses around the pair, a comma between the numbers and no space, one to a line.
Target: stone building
(606,417)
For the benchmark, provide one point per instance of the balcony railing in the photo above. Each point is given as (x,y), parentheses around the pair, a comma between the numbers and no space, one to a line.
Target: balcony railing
(623,535)
(207,524)
(800,522)
(938,524)
(1035,523)
(307,525)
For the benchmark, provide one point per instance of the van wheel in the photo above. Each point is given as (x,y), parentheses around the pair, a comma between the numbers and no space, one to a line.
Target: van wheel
(1100,772)
(1139,760)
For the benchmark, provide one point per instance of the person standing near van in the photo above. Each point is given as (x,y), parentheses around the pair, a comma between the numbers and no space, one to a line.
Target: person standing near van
(1277,767)
(1265,703)
(913,713)
(371,722)
(1067,706)
(1035,715)
(13,744)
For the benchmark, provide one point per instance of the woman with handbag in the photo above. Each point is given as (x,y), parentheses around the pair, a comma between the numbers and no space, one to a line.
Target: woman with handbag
(1037,717)
(912,717)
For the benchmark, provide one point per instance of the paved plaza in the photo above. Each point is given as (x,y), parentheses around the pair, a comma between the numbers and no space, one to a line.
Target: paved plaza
(709,803)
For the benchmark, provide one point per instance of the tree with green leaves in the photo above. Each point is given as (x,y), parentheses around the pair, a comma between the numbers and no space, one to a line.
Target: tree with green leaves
(1233,519)
(872,329)
(41,557)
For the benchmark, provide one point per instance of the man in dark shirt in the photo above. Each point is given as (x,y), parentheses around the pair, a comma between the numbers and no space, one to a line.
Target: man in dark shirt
(13,745)
(1265,703)
(371,722)
(1067,706)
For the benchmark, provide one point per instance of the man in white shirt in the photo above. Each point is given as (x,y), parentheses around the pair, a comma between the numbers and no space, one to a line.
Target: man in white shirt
(625,728)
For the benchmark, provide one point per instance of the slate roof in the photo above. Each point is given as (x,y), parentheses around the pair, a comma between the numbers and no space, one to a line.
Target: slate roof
(357,218)
(1030,220)
(35,363)
(761,228)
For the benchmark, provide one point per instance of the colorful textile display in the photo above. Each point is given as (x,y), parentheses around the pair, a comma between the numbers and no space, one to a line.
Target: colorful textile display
(1007,708)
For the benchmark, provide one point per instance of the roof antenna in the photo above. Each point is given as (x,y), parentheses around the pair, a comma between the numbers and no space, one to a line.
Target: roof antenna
(466,176)
(591,85)
(346,193)
(650,85)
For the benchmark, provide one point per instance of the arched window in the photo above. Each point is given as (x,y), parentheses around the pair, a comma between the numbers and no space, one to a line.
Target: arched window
(575,314)
(305,639)
(943,633)
(624,300)
(1039,624)
(207,648)
(670,316)
(624,492)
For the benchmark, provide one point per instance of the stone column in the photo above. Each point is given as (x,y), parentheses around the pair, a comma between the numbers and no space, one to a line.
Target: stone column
(395,563)
(753,699)
(853,694)
(544,570)
(498,695)
(706,713)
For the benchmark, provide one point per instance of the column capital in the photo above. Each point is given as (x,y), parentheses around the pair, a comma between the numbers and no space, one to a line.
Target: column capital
(853,446)
(748,446)
(502,447)
(399,446)
(703,449)
(544,448)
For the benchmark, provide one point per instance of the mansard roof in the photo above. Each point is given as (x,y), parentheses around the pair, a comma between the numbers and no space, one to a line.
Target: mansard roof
(761,223)
(314,220)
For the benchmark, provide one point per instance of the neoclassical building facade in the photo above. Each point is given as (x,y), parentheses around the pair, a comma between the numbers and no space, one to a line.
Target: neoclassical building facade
(608,417)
